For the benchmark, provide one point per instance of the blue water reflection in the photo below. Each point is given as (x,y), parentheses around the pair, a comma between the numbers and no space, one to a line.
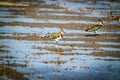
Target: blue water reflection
(74,57)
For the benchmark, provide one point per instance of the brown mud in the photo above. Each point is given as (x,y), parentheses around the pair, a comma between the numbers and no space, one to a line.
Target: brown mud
(26,55)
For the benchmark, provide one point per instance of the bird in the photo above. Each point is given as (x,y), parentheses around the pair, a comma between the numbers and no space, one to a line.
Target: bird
(113,18)
(56,36)
(117,18)
(110,16)
(95,27)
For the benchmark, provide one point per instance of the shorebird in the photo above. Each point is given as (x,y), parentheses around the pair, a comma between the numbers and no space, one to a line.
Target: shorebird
(95,27)
(56,36)
(112,18)
(117,18)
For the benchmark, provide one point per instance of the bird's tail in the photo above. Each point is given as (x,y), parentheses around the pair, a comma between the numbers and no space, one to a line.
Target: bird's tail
(88,30)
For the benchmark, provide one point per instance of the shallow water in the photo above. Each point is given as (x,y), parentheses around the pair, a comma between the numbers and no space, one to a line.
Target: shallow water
(78,55)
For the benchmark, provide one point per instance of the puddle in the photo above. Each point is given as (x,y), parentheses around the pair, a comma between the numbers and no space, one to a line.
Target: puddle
(20,29)
(27,29)
(11,8)
(69,5)
(109,49)
(48,9)
(6,14)
(19,47)
(108,43)
(31,20)
(75,42)
(108,32)
(59,14)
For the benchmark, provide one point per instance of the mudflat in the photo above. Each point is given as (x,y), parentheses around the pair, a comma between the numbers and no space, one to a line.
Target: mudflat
(79,55)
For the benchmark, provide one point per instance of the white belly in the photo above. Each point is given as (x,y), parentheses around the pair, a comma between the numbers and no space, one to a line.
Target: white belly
(57,39)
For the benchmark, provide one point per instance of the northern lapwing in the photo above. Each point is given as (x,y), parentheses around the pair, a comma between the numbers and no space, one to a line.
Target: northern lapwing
(56,36)
(113,18)
(95,27)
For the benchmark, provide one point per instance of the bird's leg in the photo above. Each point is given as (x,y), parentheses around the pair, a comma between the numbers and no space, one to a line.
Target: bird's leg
(94,33)
(56,42)
(62,35)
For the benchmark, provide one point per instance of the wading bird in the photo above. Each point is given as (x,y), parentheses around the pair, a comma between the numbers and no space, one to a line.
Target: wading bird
(56,36)
(95,27)
(113,18)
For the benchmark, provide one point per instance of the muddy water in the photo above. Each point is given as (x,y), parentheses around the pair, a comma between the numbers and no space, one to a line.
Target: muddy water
(80,55)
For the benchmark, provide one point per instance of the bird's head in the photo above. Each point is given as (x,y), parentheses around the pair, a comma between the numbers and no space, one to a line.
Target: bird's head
(110,12)
(102,22)
(61,31)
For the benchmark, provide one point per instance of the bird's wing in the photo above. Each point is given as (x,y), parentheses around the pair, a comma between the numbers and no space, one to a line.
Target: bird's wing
(94,28)
(53,36)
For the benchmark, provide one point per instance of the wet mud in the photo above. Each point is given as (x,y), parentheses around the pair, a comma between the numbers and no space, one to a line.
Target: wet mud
(25,54)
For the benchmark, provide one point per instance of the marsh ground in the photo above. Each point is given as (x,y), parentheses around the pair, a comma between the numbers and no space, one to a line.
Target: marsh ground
(80,55)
